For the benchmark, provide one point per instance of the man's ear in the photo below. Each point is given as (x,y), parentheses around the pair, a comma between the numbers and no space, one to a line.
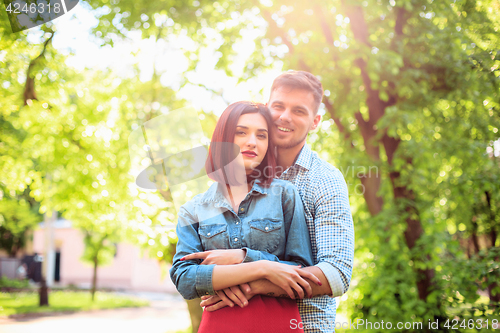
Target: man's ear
(316,121)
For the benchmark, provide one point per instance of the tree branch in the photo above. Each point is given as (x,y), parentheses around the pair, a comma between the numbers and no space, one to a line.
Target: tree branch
(29,87)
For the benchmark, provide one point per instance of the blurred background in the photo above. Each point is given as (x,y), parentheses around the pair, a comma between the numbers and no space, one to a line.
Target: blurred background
(410,116)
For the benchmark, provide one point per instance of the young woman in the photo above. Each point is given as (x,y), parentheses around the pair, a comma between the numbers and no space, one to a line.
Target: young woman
(251,224)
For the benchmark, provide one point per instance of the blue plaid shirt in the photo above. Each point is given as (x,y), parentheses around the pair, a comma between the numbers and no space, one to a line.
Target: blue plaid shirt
(328,215)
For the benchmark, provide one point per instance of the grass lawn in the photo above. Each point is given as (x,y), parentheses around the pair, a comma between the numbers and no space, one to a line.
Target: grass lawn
(18,303)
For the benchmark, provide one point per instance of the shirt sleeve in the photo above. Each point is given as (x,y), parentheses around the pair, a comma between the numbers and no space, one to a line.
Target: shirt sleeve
(298,244)
(191,279)
(334,231)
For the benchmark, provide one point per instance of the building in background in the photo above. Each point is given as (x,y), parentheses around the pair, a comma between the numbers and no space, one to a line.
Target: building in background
(131,268)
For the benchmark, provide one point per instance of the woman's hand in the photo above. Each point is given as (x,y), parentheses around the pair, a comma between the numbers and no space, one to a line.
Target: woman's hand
(290,278)
(218,257)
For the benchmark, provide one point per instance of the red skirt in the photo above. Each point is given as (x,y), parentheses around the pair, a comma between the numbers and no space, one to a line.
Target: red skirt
(262,314)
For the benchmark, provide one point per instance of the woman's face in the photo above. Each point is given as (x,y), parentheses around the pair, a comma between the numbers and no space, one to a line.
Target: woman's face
(253,138)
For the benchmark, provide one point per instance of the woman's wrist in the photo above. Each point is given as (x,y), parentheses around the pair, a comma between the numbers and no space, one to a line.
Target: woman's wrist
(262,269)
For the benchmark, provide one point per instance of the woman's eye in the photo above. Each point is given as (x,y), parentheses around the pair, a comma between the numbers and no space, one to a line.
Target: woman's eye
(262,136)
(240,133)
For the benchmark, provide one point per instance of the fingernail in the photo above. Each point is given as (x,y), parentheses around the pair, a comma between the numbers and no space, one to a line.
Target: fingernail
(320,283)
(246,303)
(182,259)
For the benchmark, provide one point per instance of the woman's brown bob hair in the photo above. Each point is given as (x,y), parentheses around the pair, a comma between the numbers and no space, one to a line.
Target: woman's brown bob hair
(219,155)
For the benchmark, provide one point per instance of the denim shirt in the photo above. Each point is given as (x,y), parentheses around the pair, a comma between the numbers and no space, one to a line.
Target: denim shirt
(270,225)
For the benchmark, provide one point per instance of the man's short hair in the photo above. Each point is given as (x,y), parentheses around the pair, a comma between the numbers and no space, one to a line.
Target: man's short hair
(301,80)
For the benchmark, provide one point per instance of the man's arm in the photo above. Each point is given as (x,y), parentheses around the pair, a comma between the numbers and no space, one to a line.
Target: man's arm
(334,231)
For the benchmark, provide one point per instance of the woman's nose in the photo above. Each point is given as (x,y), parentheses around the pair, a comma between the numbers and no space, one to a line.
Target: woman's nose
(252,141)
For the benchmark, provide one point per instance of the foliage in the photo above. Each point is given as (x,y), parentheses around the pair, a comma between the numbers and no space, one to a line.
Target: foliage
(19,303)
(16,218)
(411,114)
(5,282)
(412,89)
(67,147)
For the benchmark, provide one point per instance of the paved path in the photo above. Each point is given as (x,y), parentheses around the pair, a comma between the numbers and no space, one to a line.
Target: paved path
(166,313)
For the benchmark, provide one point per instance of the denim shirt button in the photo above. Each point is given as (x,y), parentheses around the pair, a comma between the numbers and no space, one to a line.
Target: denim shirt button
(236,239)
(242,210)
(267,228)
(237,222)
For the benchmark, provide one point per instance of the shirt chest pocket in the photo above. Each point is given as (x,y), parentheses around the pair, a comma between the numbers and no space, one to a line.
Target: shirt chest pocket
(266,234)
(214,236)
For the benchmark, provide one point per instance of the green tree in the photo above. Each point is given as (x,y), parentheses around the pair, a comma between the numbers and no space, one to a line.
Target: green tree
(411,88)
(66,146)
(16,218)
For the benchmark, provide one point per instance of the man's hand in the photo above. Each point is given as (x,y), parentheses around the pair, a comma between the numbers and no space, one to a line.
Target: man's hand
(218,257)
(239,295)
(290,278)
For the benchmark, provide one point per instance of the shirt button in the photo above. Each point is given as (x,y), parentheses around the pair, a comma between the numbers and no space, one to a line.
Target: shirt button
(236,239)
(237,222)
(208,234)
(242,210)
(267,228)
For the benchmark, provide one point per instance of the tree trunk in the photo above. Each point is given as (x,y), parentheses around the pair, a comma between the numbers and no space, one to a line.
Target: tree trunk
(43,293)
(195,312)
(94,278)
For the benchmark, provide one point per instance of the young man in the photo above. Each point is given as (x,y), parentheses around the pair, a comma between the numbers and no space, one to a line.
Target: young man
(294,103)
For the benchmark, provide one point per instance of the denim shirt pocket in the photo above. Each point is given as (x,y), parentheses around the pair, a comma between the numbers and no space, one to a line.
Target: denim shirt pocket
(266,234)
(214,236)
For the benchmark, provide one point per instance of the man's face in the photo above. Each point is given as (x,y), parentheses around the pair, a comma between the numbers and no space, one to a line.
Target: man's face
(293,116)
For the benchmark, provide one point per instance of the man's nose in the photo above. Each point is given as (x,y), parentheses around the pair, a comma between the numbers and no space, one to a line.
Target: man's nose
(286,116)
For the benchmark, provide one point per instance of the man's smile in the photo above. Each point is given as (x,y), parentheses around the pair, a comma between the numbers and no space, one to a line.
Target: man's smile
(284,129)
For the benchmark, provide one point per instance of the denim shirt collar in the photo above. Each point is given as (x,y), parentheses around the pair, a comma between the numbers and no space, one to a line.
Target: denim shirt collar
(214,194)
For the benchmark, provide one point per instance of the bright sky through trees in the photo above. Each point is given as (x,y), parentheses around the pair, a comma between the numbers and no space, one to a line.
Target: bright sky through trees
(73,38)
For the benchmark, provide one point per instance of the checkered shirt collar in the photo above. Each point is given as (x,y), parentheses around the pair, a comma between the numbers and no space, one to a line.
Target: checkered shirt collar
(305,158)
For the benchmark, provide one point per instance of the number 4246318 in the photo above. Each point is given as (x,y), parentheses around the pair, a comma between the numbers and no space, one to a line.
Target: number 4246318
(15,8)
(478,324)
